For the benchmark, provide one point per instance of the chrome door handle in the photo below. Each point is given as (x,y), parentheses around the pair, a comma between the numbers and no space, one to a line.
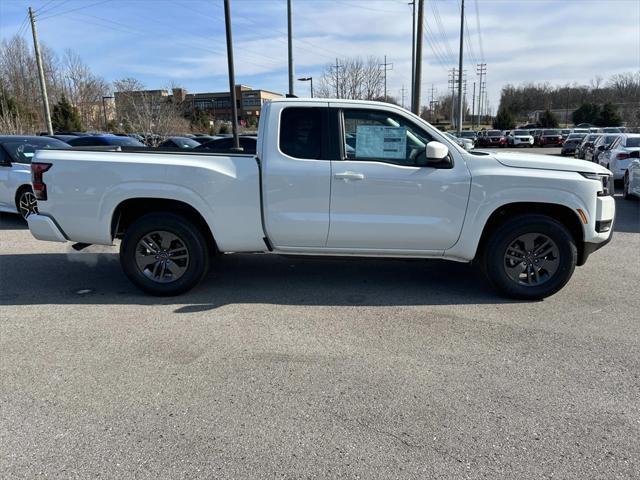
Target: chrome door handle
(349,176)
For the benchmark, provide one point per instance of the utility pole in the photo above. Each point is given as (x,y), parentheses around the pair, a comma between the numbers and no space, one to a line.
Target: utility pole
(337,67)
(473,107)
(460,57)
(452,84)
(418,61)
(43,84)
(481,69)
(413,48)
(232,77)
(290,45)
(384,66)
(402,90)
(432,103)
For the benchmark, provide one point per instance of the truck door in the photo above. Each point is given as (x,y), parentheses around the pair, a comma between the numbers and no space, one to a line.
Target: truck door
(297,174)
(381,198)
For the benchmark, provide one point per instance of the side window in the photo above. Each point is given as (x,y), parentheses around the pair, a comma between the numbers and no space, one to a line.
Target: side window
(302,132)
(382,136)
(4,158)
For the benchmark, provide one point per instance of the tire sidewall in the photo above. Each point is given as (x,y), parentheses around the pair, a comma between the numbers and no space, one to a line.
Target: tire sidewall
(188,233)
(503,236)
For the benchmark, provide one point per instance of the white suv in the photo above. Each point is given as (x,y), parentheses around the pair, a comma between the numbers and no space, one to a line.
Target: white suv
(520,138)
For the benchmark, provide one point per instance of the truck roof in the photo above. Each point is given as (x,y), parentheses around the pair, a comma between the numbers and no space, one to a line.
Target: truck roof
(335,100)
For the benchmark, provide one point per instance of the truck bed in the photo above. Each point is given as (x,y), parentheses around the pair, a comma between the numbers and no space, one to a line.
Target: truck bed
(86,186)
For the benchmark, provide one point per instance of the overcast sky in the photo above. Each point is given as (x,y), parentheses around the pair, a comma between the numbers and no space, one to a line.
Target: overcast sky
(182,41)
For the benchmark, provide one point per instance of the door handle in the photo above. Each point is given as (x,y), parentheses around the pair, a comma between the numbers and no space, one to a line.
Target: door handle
(349,176)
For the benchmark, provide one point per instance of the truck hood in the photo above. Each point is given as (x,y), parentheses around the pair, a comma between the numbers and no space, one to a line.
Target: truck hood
(547,162)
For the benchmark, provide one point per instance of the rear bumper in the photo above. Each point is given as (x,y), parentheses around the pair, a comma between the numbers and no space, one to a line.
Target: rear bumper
(44,228)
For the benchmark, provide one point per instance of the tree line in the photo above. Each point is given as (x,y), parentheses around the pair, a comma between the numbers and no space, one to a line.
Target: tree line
(602,103)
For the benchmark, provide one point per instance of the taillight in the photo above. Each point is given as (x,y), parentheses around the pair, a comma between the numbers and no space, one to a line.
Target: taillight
(39,187)
(622,156)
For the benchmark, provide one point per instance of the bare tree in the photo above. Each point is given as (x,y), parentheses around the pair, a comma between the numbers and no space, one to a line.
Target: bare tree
(355,78)
(151,112)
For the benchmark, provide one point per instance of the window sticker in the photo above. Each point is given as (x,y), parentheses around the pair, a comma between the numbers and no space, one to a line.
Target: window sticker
(379,141)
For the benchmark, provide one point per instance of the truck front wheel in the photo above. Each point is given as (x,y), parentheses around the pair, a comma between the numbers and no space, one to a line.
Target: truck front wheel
(530,257)
(164,254)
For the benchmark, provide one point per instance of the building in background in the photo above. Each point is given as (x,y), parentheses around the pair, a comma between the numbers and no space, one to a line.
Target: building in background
(216,104)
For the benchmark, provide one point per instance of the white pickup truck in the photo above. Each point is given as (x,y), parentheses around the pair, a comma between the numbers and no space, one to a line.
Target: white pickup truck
(330,177)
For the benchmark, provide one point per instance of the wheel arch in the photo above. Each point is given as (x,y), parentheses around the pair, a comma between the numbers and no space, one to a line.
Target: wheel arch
(129,210)
(561,213)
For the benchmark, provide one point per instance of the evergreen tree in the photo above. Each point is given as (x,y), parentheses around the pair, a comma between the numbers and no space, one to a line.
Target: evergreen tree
(609,116)
(65,116)
(548,120)
(587,113)
(504,120)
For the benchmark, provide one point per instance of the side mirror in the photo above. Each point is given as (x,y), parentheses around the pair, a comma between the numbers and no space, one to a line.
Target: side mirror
(436,155)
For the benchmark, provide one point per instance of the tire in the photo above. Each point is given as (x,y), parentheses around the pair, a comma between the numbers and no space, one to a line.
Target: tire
(182,253)
(555,264)
(26,202)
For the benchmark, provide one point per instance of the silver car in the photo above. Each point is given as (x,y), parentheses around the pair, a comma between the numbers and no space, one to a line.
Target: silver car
(616,157)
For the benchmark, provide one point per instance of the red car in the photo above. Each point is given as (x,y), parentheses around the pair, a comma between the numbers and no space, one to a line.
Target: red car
(492,138)
(550,137)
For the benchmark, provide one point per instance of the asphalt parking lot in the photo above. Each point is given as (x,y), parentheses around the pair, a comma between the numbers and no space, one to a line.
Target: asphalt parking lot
(300,368)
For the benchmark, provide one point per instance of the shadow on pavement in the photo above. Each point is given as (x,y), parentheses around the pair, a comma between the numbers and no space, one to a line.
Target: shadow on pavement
(12,222)
(627,215)
(96,278)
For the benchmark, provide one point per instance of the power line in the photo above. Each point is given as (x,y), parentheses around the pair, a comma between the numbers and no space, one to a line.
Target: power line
(479,31)
(74,9)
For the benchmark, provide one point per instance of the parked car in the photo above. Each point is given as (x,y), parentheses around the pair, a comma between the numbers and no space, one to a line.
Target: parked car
(492,138)
(179,143)
(571,143)
(527,219)
(224,145)
(16,194)
(587,144)
(631,186)
(536,136)
(105,141)
(551,137)
(612,130)
(565,132)
(471,135)
(520,138)
(600,145)
(62,137)
(207,138)
(616,156)
(581,130)
(465,143)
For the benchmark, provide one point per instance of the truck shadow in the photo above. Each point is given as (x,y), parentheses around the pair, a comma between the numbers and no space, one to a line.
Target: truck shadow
(96,279)
(9,221)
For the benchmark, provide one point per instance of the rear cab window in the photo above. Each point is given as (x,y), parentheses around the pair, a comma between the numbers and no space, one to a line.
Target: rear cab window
(304,133)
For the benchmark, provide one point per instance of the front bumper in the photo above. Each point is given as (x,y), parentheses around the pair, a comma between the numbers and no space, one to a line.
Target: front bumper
(44,228)
(605,215)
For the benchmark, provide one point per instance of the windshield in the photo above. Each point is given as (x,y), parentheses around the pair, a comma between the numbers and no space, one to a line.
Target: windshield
(22,151)
(521,132)
(494,133)
(551,132)
(576,136)
(468,134)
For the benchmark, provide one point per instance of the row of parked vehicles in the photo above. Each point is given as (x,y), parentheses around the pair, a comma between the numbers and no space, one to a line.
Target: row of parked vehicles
(540,137)
(16,152)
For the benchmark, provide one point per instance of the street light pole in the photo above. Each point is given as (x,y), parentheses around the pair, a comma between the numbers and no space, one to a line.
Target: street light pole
(418,63)
(460,102)
(290,47)
(307,79)
(232,77)
(104,111)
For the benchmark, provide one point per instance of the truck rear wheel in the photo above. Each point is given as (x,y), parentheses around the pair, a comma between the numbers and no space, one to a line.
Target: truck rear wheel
(164,254)
(530,257)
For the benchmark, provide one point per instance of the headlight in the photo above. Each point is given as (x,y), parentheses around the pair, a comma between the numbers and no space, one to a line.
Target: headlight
(606,182)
